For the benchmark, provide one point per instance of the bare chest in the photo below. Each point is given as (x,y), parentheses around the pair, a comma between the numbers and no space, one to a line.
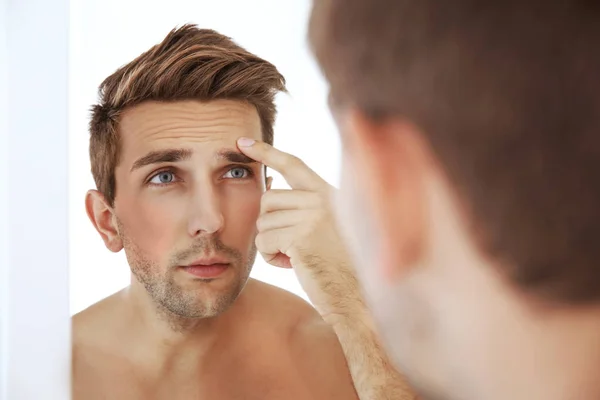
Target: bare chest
(232,378)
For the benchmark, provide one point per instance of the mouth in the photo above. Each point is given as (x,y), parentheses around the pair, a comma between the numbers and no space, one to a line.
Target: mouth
(207,268)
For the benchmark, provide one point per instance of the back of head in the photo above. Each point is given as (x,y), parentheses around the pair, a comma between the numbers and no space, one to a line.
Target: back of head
(507,95)
(189,64)
(488,231)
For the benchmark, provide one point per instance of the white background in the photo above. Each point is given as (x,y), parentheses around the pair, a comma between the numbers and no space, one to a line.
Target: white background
(4,233)
(35,352)
(109,33)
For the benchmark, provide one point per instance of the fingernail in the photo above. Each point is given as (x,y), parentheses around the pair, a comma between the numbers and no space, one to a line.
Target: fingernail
(246,142)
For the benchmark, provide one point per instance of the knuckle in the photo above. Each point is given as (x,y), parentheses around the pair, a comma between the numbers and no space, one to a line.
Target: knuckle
(259,241)
(261,223)
(320,200)
(268,196)
(316,219)
(268,200)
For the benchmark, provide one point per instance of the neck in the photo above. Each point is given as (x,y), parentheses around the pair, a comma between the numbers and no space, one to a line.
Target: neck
(174,341)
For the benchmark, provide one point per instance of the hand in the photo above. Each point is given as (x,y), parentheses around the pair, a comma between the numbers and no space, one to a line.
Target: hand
(296,229)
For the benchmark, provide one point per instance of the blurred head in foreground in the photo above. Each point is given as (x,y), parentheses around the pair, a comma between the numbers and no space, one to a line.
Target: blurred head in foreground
(470,191)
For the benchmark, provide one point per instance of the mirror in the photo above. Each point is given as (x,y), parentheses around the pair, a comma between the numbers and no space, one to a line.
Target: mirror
(103,39)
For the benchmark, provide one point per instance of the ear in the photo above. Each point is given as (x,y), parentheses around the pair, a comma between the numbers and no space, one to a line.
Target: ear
(390,163)
(269,181)
(102,217)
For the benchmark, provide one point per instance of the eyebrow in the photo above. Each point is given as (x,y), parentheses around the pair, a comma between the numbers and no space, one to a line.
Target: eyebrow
(162,156)
(235,157)
(175,155)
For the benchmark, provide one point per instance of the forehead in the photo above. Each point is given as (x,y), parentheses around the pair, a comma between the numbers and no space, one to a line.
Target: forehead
(201,126)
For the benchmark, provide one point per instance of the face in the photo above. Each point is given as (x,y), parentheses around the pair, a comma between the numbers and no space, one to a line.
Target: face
(186,202)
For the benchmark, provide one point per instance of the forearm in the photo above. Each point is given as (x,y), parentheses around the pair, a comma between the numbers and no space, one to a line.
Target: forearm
(374,376)
(335,292)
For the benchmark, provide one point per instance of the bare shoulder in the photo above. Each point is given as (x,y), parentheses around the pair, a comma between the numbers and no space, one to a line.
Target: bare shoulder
(320,358)
(96,360)
(273,301)
(95,313)
(312,343)
(89,326)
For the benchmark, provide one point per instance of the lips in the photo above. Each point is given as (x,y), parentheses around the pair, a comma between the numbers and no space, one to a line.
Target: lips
(207,268)
(208,261)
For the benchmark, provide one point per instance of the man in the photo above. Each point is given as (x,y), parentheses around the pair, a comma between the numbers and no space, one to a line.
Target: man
(470,194)
(187,205)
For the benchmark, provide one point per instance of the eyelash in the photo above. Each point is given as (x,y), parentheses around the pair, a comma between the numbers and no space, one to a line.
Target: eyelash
(154,175)
(248,170)
(170,170)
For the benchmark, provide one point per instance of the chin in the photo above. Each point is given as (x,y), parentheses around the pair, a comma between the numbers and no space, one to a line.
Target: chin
(212,303)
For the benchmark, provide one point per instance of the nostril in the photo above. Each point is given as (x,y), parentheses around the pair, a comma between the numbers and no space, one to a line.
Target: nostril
(206,224)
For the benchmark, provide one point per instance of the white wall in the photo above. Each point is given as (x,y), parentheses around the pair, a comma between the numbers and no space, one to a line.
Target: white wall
(33,206)
(3,198)
(108,33)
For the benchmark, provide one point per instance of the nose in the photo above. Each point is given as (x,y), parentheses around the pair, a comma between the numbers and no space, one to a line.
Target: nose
(206,216)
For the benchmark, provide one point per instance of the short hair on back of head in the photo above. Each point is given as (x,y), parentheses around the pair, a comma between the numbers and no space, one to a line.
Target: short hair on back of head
(507,94)
(189,64)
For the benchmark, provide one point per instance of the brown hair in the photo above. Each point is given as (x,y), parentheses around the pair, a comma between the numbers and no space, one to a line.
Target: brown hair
(507,93)
(190,63)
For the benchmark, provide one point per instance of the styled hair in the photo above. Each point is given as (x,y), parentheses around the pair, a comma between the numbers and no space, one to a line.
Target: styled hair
(507,94)
(189,64)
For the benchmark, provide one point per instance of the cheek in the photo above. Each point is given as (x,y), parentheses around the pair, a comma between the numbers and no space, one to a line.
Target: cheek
(151,223)
(241,207)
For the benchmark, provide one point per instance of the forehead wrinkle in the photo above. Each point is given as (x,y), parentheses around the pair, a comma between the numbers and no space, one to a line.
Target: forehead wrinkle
(186,126)
(209,120)
(219,112)
(209,133)
(155,124)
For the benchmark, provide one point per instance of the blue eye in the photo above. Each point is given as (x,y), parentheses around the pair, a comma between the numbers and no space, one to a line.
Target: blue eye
(163,178)
(237,173)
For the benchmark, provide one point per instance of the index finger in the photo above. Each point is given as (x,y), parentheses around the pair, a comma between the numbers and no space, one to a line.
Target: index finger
(296,173)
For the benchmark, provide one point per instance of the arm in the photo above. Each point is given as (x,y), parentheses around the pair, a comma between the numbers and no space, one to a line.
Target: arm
(335,292)
(372,372)
(296,229)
